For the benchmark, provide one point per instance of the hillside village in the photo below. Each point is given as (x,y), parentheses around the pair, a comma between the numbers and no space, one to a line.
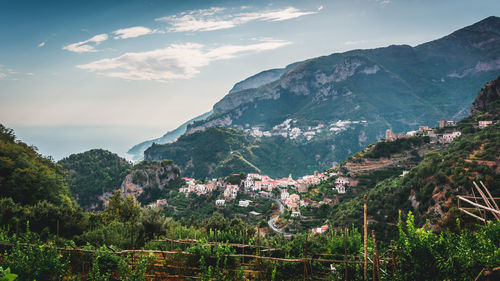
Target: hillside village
(293,194)
(290,129)
(284,189)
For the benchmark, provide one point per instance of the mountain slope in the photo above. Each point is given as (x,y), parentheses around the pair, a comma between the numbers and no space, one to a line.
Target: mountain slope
(218,152)
(27,177)
(137,151)
(342,102)
(94,173)
(33,190)
(430,188)
(262,78)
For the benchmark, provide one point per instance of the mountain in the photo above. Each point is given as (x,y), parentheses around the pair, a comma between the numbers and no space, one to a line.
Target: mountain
(94,173)
(251,82)
(137,151)
(93,176)
(487,99)
(262,78)
(218,152)
(348,100)
(431,186)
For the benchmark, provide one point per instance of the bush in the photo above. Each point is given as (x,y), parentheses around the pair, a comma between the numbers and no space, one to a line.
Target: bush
(424,255)
(32,260)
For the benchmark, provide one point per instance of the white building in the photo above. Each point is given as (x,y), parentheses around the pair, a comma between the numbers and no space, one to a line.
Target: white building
(161,202)
(248,182)
(231,192)
(321,229)
(244,203)
(254,176)
(342,181)
(447,138)
(220,202)
(404,174)
(484,124)
(340,189)
(292,201)
(284,195)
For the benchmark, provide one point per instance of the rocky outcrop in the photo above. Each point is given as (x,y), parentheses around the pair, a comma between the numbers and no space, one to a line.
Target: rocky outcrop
(147,177)
(489,94)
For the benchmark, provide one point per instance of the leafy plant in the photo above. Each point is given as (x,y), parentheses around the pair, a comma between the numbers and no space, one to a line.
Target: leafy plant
(6,275)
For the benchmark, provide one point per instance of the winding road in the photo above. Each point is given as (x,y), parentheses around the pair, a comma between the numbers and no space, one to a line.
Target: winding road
(271,223)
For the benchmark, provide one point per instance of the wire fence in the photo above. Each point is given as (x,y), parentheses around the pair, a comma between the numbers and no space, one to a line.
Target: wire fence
(252,261)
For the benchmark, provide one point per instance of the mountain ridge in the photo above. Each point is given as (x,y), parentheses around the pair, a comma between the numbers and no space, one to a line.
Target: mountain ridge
(398,87)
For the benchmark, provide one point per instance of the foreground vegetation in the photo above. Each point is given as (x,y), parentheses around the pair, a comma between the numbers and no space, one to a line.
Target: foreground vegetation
(420,253)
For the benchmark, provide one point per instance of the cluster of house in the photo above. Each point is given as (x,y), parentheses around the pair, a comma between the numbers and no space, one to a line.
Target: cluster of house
(199,188)
(341,183)
(484,124)
(257,182)
(263,185)
(289,129)
(446,137)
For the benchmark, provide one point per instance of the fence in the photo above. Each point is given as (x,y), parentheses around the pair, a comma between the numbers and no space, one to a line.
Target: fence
(174,261)
(484,212)
(255,265)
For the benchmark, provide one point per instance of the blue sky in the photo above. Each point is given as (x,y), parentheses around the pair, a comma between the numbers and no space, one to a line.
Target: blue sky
(76,75)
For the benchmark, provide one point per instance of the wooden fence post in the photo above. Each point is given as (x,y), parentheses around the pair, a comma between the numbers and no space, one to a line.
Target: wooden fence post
(365,224)
(243,250)
(258,254)
(172,238)
(374,267)
(305,257)
(376,260)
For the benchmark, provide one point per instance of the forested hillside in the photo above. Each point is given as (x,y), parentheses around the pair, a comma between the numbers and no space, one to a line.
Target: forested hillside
(93,173)
(34,189)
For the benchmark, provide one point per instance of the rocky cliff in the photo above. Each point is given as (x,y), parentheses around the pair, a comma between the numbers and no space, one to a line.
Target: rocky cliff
(149,180)
(488,96)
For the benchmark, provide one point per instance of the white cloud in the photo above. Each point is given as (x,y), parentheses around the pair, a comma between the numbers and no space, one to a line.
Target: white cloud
(274,15)
(178,61)
(84,46)
(382,2)
(133,32)
(2,75)
(41,44)
(215,19)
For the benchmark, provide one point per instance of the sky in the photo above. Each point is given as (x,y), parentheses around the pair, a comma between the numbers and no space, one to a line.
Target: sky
(77,75)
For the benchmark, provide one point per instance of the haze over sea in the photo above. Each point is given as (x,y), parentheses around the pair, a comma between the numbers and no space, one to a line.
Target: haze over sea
(61,141)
